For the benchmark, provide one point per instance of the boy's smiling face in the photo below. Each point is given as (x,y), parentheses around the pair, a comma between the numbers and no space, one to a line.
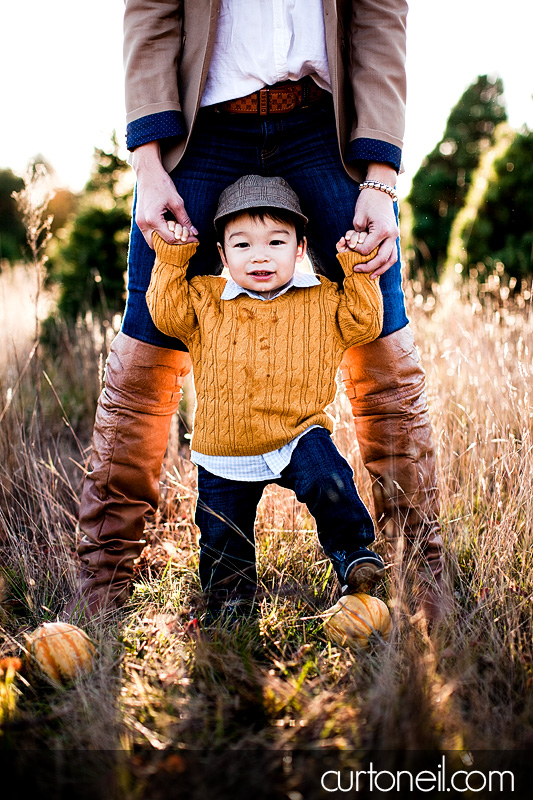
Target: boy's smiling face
(261,255)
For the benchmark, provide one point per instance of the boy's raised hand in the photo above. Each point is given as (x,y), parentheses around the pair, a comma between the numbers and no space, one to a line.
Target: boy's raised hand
(182,234)
(350,240)
(348,244)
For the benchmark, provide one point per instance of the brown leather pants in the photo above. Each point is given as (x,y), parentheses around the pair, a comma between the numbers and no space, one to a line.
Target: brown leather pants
(143,388)
(385,384)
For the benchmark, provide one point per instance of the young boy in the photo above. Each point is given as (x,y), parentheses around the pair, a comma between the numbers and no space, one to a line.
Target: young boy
(266,345)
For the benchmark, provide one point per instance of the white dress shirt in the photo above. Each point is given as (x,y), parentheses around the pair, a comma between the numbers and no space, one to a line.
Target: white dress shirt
(262,42)
(268,466)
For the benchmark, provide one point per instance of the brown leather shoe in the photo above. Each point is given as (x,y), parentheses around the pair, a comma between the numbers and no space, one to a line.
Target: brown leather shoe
(385,384)
(143,388)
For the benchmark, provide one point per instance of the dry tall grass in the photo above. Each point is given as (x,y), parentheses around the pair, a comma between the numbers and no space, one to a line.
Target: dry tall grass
(276,684)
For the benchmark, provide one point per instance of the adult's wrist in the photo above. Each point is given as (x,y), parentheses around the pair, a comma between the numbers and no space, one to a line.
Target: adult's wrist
(147,158)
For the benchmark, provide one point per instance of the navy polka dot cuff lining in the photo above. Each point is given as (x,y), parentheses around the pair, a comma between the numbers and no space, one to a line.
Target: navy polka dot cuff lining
(154,126)
(374,150)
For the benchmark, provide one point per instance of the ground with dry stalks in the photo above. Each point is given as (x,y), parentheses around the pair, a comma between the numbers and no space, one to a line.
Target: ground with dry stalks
(262,708)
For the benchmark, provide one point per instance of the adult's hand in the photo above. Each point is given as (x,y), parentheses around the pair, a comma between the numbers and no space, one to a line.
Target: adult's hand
(374,215)
(156,196)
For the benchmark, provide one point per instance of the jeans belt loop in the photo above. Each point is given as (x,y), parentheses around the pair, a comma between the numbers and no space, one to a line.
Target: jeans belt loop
(263,101)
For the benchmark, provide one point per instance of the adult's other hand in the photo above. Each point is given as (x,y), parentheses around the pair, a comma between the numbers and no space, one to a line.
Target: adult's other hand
(374,214)
(157,197)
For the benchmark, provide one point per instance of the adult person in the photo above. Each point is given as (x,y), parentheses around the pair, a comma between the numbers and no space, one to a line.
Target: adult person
(313,91)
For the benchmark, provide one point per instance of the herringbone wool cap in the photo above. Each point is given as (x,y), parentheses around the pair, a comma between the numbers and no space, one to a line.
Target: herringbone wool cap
(255,191)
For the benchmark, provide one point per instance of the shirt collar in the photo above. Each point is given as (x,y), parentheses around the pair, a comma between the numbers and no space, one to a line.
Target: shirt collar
(298,280)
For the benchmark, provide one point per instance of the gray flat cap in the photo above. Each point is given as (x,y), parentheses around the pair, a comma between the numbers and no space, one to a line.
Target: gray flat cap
(255,191)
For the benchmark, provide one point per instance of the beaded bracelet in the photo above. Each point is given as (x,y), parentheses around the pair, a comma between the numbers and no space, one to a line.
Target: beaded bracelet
(383,187)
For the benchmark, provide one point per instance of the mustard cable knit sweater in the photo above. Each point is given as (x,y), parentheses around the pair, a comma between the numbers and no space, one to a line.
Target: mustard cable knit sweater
(263,371)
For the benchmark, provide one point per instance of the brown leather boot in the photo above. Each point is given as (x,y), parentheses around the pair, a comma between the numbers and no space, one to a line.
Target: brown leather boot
(385,384)
(143,388)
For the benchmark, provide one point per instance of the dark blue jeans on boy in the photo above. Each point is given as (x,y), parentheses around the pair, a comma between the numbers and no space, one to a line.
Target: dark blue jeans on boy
(226,511)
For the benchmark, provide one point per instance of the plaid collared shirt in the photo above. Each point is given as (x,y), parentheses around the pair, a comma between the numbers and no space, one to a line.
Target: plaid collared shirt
(267,466)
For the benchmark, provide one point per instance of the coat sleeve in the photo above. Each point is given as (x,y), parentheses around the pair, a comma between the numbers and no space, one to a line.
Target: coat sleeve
(376,68)
(360,306)
(170,295)
(152,48)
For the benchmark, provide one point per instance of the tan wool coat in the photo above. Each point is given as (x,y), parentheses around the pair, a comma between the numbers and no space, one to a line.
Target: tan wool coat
(168,46)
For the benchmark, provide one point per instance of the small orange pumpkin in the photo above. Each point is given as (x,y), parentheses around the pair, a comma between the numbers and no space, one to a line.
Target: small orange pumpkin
(62,651)
(355,618)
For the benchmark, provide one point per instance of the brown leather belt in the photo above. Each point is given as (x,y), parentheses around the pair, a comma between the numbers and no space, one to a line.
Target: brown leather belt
(277,99)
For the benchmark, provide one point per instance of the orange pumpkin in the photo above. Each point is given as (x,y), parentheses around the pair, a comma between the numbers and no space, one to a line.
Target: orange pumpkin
(356,618)
(61,651)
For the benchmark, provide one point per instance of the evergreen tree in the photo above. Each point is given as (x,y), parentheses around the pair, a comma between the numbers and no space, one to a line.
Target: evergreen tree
(440,186)
(90,264)
(503,229)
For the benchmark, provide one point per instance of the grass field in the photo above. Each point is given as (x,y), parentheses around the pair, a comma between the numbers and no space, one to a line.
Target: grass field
(259,709)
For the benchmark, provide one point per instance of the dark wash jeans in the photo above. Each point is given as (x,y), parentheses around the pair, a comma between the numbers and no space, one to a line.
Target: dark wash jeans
(301,147)
(226,510)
